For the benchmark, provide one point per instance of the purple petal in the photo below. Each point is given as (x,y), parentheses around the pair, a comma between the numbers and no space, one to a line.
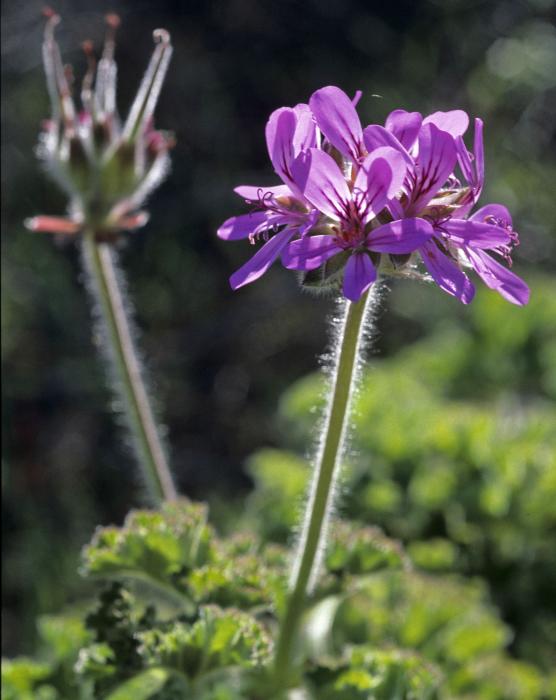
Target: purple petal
(479,153)
(473,166)
(379,179)
(376,136)
(310,252)
(404,125)
(465,162)
(305,135)
(252,193)
(476,234)
(280,130)
(492,213)
(396,209)
(396,163)
(322,183)
(262,260)
(446,274)
(454,122)
(359,274)
(402,236)
(498,277)
(436,161)
(337,119)
(243,226)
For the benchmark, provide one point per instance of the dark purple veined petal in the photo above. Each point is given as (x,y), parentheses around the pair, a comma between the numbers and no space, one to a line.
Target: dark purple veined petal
(252,193)
(359,274)
(376,136)
(454,122)
(262,260)
(280,131)
(238,227)
(379,179)
(310,252)
(337,119)
(404,125)
(436,161)
(447,274)
(322,183)
(498,277)
(476,233)
(492,213)
(402,236)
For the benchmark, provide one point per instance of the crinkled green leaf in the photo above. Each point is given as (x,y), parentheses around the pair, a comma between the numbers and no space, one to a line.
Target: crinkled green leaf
(368,674)
(160,546)
(355,549)
(219,638)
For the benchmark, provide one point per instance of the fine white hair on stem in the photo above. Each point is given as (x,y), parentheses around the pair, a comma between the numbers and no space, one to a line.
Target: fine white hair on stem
(134,405)
(330,363)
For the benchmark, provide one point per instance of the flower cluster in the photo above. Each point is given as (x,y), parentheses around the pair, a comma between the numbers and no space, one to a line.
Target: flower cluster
(358,201)
(106,168)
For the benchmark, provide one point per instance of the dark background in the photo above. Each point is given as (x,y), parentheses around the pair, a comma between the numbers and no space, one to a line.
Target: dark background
(219,360)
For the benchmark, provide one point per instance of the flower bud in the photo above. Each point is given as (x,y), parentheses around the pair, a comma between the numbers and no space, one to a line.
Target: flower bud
(105,169)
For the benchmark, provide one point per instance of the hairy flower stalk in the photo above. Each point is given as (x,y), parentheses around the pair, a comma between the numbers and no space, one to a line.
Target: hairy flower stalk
(332,447)
(108,171)
(100,264)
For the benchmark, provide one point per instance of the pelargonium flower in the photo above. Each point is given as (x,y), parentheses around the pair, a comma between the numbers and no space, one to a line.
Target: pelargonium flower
(289,132)
(106,168)
(431,148)
(351,210)
(357,200)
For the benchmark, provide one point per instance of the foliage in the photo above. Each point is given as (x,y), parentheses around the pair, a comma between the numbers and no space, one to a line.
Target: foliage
(52,677)
(376,628)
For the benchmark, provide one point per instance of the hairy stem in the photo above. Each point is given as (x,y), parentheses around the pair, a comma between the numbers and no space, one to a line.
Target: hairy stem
(321,496)
(105,287)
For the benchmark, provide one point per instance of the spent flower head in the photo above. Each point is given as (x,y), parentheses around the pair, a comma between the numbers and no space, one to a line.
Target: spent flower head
(358,201)
(107,168)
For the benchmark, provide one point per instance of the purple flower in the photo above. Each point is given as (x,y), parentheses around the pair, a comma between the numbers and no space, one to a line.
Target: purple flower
(463,241)
(431,148)
(351,195)
(280,212)
(352,210)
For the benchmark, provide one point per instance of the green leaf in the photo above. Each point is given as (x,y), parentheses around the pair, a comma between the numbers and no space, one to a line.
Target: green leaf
(142,686)
(22,674)
(354,549)
(160,546)
(218,639)
(63,635)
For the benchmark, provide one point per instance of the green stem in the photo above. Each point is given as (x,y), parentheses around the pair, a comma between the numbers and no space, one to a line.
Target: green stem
(100,263)
(313,536)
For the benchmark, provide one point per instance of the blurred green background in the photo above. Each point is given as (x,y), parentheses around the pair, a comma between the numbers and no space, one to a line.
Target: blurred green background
(455,451)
